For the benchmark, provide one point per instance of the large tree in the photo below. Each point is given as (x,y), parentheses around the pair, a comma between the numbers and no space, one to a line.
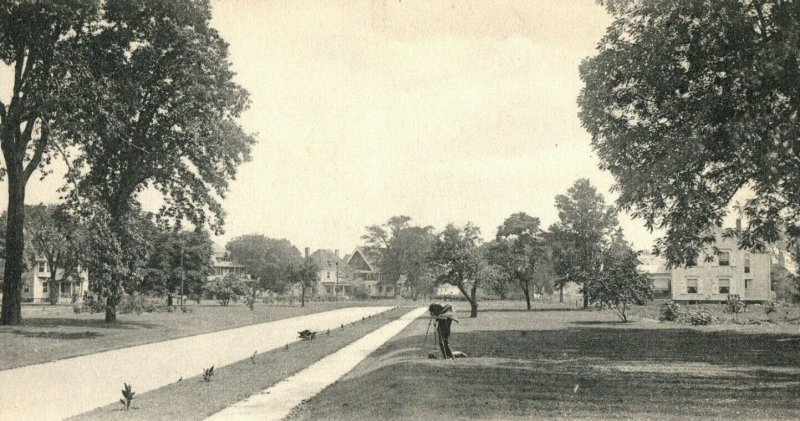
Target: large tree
(305,275)
(690,102)
(168,121)
(460,260)
(58,237)
(518,250)
(267,259)
(584,229)
(178,262)
(380,245)
(45,45)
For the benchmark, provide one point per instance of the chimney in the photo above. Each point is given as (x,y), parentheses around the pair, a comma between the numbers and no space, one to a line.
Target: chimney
(336,252)
(308,251)
(738,224)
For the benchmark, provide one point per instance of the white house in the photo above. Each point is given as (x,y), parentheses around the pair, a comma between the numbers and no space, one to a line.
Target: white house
(730,270)
(36,287)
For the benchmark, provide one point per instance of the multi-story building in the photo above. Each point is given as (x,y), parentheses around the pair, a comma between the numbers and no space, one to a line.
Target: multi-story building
(366,273)
(718,273)
(334,276)
(222,264)
(36,282)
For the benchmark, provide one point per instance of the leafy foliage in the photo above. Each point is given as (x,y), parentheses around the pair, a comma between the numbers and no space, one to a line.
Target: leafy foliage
(304,275)
(670,311)
(127,396)
(690,102)
(579,238)
(701,318)
(208,373)
(176,257)
(460,261)
(518,250)
(268,260)
(227,288)
(734,305)
(620,284)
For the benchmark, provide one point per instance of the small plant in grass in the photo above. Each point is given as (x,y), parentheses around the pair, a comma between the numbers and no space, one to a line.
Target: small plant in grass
(734,305)
(127,396)
(701,318)
(208,373)
(670,311)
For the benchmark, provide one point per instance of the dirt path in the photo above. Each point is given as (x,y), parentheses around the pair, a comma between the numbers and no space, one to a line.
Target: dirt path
(68,387)
(276,402)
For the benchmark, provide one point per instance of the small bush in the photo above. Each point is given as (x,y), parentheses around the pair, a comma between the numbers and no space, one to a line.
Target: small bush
(77,308)
(701,318)
(734,305)
(772,307)
(670,311)
(360,293)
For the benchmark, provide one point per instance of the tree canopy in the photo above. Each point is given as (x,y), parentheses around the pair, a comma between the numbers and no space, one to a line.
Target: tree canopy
(460,261)
(267,259)
(689,102)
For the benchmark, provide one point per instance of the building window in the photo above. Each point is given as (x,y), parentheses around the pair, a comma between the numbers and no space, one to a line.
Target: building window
(691,286)
(44,287)
(747,263)
(42,266)
(724,258)
(724,286)
(26,288)
(329,274)
(748,283)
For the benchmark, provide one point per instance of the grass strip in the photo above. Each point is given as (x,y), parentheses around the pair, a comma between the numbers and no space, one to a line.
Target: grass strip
(195,399)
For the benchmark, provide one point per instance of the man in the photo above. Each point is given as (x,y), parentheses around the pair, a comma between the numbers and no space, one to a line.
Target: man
(444,318)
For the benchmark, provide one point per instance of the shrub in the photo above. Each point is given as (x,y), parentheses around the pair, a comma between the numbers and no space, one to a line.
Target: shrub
(771,307)
(670,311)
(701,318)
(226,289)
(360,293)
(77,308)
(734,304)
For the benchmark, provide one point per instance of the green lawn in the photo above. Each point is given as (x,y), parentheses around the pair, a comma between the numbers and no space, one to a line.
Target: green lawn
(51,333)
(195,399)
(564,363)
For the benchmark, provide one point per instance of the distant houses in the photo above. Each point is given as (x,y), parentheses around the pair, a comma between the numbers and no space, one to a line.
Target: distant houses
(729,270)
(36,283)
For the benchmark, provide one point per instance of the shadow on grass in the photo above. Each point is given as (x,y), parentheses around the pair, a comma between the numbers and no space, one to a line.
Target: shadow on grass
(90,323)
(597,322)
(58,335)
(608,343)
(533,310)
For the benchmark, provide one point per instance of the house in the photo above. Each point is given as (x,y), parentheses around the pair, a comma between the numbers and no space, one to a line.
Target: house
(656,266)
(334,276)
(729,270)
(366,272)
(36,282)
(222,263)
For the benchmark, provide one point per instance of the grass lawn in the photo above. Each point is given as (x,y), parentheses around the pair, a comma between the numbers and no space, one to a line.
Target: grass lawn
(195,399)
(51,333)
(551,363)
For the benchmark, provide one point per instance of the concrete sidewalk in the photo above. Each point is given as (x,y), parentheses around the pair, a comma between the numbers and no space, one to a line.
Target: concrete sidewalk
(276,402)
(64,388)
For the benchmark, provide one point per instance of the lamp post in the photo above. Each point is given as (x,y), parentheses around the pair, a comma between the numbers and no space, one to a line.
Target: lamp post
(336,284)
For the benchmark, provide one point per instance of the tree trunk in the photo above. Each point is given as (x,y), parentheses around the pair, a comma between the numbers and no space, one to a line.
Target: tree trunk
(303,297)
(473,308)
(561,294)
(54,292)
(585,298)
(15,243)
(526,289)
(111,309)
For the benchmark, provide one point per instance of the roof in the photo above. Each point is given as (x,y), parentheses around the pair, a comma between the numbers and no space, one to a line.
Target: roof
(360,251)
(327,259)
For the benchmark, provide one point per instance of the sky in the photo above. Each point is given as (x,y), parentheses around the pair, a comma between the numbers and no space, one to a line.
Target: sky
(442,111)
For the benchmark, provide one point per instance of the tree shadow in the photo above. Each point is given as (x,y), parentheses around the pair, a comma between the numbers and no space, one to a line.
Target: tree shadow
(87,323)
(598,322)
(533,310)
(58,335)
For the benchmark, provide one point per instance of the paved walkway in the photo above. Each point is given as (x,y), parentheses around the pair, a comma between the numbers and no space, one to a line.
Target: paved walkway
(68,387)
(276,402)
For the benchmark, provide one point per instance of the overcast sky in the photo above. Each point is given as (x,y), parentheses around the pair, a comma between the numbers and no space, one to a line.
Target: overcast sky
(442,111)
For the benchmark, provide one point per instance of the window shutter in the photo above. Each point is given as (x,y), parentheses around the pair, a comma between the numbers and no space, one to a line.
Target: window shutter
(732,257)
(680,287)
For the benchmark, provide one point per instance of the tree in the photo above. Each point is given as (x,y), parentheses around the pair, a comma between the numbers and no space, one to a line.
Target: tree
(460,261)
(59,238)
(518,249)
(168,121)
(44,43)
(227,288)
(380,246)
(621,284)
(305,276)
(268,260)
(179,260)
(690,102)
(578,239)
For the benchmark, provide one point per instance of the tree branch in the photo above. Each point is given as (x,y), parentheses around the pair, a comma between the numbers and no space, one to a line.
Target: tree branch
(41,145)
